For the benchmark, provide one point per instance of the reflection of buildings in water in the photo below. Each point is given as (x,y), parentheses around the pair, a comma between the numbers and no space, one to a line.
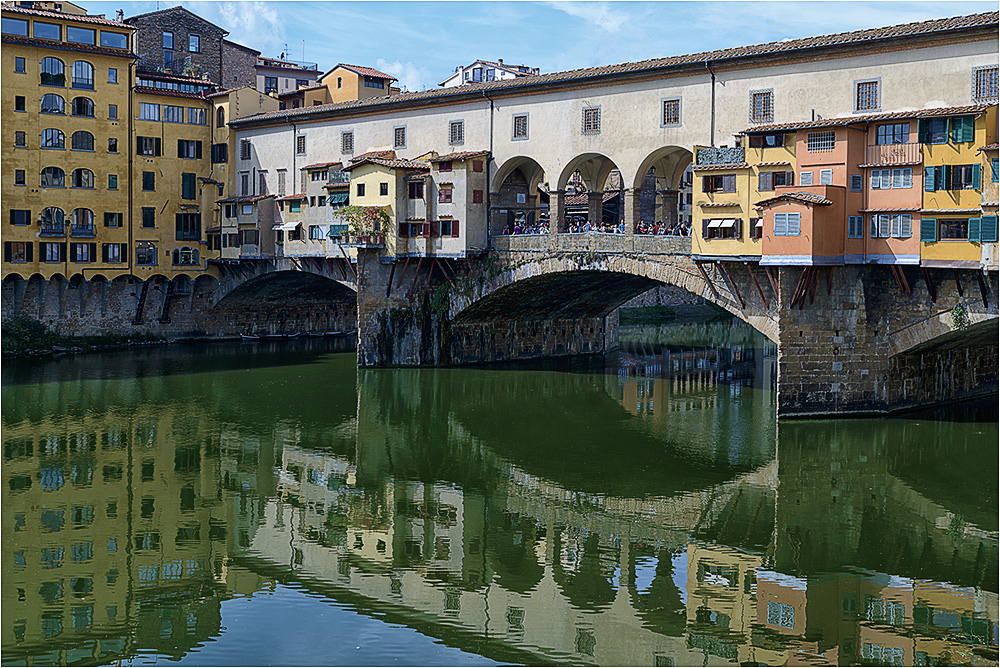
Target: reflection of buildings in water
(118,536)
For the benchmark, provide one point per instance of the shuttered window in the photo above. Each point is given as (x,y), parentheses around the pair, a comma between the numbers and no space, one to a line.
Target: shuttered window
(787,224)
(188,187)
(988,229)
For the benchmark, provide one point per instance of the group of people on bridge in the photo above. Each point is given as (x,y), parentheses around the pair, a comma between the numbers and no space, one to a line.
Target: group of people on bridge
(576,225)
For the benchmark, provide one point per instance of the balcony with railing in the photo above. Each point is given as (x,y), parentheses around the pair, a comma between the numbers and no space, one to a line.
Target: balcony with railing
(52,230)
(893,154)
(364,239)
(81,231)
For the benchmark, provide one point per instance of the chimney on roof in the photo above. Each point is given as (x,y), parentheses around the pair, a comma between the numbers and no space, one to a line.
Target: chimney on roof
(120,15)
(500,61)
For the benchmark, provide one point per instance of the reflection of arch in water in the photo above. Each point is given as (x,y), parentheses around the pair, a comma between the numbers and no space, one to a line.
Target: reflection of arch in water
(584,569)
(510,549)
(656,599)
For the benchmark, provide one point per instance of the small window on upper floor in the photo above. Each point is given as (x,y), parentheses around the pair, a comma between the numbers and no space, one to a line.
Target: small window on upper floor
(168,39)
(521,126)
(671,112)
(112,75)
(347,142)
(399,138)
(194,43)
(300,145)
(762,106)
(19,65)
(820,141)
(866,95)
(984,84)
(591,121)
(456,132)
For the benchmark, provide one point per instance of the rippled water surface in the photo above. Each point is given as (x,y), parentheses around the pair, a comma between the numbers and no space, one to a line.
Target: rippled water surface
(268,504)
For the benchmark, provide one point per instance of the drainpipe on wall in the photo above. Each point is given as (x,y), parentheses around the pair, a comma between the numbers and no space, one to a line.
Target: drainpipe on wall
(489,160)
(131,167)
(711,131)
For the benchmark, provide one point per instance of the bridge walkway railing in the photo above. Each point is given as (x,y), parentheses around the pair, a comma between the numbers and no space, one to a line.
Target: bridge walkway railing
(593,242)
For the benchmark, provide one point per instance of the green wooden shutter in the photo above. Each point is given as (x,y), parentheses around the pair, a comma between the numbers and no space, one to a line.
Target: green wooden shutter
(157,147)
(179,226)
(945,171)
(29,251)
(197,150)
(975,225)
(138,145)
(929,176)
(977,173)
(928,229)
(180,148)
(923,131)
(988,229)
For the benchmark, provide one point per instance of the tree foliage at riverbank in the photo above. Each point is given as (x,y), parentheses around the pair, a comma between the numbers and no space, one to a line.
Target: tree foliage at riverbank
(20,335)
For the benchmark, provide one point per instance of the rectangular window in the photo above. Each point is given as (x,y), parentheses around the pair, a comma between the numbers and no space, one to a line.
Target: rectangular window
(984,84)
(246,209)
(900,225)
(262,183)
(933,130)
(857,183)
(762,106)
(149,112)
(113,253)
(18,63)
(806,178)
(197,116)
(149,180)
(194,43)
(112,219)
(81,252)
(52,251)
(444,166)
(866,96)
(399,138)
(19,104)
(767,140)
(415,189)
(826,177)
(113,111)
(855,227)
(591,121)
(347,142)
(477,196)
(46,30)
(220,153)
(112,145)
(953,229)
(19,177)
(820,141)
(477,166)
(112,75)
(671,112)
(965,177)
(244,149)
(787,224)
(902,178)
(881,179)
(188,149)
(115,40)
(383,189)
(149,216)
(168,40)
(20,138)
(300,145)
(963,129)
(456,132)
(995,170)
(20,217)
(9,26)
(244,184)
(282,175)
(112,182)
(521,126)
(892,133)
(295,206)
(187,227)
(148,146)
(145,254)
(361,190)
(81,35)
(189,189)
(172,114)
(17,251)
(880,225)
(444,195)
(721,183)
(249,237)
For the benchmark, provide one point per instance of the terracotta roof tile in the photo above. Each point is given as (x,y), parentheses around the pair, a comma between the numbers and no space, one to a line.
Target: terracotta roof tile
(989,147)
(318,165)
(807,198)
(288,197)
(717,205)
(870,118)
(366,71)
(776,163)
(706,168)
(391,164)
(390,154)
(896,209)
(458,157)
(99,20)
(67,46)
(169,93)
(242,199)
(945,25)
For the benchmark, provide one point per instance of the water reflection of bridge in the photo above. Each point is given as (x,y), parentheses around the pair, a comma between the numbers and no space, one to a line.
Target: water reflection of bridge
(415,506)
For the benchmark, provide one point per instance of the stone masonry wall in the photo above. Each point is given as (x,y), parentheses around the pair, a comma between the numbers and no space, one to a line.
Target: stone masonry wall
(239,65)
(182,24)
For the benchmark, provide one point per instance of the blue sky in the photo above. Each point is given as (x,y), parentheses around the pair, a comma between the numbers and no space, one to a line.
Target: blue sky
(421,43)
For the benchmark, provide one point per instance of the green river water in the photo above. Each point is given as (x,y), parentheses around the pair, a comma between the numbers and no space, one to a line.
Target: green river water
(271,504)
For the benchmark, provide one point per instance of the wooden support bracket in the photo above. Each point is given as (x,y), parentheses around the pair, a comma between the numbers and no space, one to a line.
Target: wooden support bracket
(416,275)
(760,292)
(732,285)
(800,287)
(403,273)
(930,283)
(388,284)
(958,283)
(704,275)
(829,281)
(982,288)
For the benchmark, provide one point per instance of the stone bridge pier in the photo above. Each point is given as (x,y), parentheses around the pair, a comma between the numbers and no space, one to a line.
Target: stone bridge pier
(852,340)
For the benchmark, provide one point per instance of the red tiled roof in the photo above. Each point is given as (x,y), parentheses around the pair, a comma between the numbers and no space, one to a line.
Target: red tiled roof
(717,205)
(989,147)
(169,93)
(580,200)
(322,164)
(173,77)
(67,46)
(99,20)
(390,154)
(896,209)
(870,118)
(653,66)
(458,157)
(227,91)
(366,71)
(391,164)
(807,198)
(776,163)
(288,197)
(242,199)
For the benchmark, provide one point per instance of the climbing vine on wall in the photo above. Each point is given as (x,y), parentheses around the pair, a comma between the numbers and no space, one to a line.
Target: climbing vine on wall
(960,317)
(366,218)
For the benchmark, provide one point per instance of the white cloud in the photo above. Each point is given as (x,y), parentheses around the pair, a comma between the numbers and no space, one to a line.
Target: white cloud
(606,16)
(410,77)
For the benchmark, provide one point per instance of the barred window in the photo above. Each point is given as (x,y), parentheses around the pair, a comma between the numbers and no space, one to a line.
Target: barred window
(984,84)
(456,132)
(820,141)
(300,145)
(866,96)
(521,127)
(244,149)
(762,106)
(399,138)
(592,121)
(347,142)
(671,112)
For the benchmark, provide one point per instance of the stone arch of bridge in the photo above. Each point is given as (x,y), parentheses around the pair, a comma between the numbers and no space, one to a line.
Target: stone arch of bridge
(589,285)
(283,288)
(514,190)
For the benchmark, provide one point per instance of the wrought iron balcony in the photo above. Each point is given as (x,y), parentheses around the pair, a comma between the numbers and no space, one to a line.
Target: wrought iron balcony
(893,154)
(364,239)
(58,230)
(81,231)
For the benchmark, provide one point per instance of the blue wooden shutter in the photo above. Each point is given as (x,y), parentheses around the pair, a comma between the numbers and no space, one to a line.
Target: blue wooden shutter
(975,225)
(988,229)
(928,229)
(923,131)
(977,171)
(929,174)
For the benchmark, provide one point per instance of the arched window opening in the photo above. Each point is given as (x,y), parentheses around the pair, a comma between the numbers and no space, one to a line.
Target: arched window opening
(83,106)
(83,141)
(83,178)
(220,118)
(83,223)
(53,138)
(83,75)
(53,72)
(53,104)
(53,177)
